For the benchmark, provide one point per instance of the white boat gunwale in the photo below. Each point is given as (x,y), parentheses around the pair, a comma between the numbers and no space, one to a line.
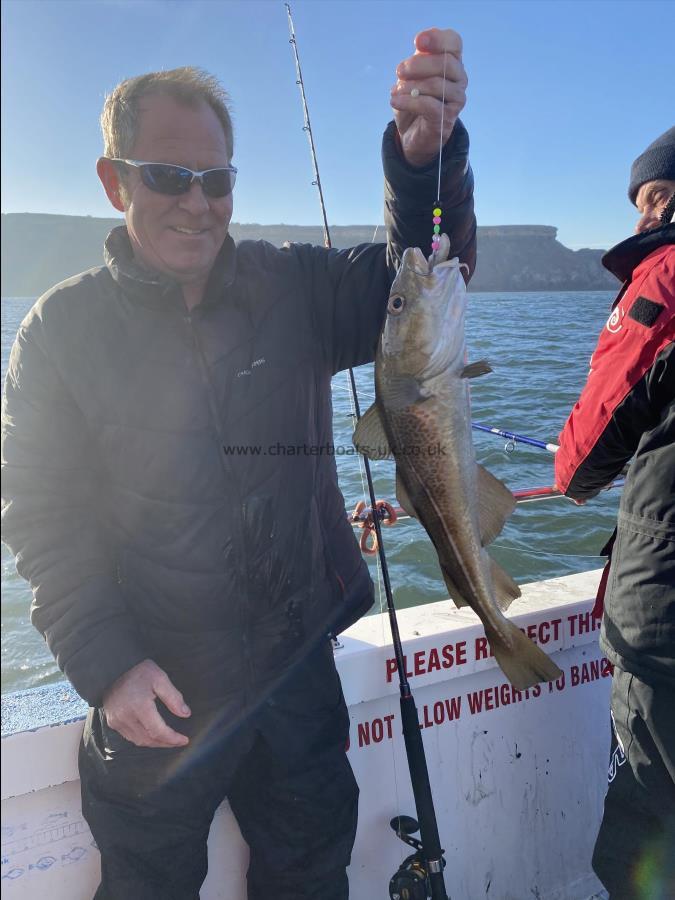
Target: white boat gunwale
(474,771)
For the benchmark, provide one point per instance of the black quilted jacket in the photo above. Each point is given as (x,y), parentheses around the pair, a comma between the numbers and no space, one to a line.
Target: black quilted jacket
(149,493)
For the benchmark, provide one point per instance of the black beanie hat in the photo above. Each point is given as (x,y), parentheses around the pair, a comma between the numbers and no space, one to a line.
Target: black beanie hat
(655,164)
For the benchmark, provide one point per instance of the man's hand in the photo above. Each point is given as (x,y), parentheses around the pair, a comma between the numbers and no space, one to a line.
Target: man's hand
(577,502)
(130,709)
(418,116)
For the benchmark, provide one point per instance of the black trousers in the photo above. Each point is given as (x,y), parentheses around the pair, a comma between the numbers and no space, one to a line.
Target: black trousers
(285,774)
(634,854)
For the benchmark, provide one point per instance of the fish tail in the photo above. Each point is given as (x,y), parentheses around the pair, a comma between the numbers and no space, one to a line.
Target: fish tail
(523,663)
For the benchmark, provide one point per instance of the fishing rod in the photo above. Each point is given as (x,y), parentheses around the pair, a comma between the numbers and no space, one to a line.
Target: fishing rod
(530,495)
(423,870)
(514,438)
(524,495)
(389,514)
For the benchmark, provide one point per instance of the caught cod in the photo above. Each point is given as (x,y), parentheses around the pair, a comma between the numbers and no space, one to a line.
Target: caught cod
(422,417)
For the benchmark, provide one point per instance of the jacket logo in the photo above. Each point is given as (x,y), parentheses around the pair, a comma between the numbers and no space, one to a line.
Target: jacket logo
(254,365)
(618,757)
(615,321)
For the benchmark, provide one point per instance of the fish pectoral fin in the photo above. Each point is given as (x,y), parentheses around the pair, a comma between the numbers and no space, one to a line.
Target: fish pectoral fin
(523,663)
(453,590)
(370,437)
(476,369)
(403,497)
(495,505)
(406,390)
(505,588)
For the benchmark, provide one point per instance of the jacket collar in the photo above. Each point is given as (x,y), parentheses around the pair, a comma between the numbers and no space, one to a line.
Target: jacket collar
(153,288)
(625,257)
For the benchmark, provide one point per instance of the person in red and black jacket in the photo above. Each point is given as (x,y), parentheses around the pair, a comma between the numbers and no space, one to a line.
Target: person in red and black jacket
(627,410)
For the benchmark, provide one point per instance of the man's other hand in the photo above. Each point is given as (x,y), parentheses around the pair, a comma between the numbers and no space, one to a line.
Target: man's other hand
(130,708)
(418,114)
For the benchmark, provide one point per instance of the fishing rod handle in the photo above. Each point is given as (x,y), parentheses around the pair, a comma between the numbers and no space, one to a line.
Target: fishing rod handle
(424,804)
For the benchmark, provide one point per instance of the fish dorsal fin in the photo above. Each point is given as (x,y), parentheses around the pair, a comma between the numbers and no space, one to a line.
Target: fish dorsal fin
(403,497)
(370,437)
(495,505)
(475,369)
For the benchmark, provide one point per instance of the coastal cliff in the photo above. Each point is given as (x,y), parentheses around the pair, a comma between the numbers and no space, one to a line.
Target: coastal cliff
(39,250)
(530,258)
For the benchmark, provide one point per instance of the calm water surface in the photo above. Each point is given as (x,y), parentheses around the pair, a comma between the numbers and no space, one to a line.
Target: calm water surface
(539,346)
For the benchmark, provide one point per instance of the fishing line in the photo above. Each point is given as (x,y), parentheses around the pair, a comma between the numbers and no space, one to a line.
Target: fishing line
(440,140)
(546,553)
(437,213)
(353,419)
(380,594)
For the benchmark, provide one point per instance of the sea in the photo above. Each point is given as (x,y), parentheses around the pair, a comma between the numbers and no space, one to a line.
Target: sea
(539,345)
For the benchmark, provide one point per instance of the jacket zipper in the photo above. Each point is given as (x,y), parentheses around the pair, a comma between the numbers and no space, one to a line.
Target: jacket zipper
(242,606)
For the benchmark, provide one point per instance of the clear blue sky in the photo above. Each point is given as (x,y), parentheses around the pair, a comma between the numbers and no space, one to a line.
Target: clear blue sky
(562,97)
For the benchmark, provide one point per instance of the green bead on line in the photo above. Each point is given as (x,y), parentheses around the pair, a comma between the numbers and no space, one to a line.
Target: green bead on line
(437,229)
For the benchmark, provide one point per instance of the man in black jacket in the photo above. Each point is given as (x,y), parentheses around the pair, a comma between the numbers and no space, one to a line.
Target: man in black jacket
(170,495)
(627,409)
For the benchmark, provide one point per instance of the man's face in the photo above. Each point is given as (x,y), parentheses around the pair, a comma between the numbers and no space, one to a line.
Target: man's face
(651,201)
(178,236)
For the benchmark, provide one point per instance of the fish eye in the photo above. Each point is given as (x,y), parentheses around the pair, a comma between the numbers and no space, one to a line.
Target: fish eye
(396,304)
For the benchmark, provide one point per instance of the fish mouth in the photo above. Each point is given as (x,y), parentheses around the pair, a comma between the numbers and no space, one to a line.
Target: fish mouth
(440,254)
(414,258)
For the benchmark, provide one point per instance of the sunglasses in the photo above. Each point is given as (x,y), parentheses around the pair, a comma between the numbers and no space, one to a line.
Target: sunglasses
(164,178)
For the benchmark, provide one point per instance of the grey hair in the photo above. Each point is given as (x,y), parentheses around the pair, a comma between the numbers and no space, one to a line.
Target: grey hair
(187,85)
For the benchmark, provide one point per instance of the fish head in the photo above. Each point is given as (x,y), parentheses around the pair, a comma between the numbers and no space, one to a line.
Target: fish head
(424,329)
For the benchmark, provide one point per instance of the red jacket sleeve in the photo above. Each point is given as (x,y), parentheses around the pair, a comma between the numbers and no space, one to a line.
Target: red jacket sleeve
(619,401)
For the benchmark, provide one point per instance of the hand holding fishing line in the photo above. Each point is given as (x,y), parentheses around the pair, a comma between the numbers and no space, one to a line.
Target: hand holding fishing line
(429,94)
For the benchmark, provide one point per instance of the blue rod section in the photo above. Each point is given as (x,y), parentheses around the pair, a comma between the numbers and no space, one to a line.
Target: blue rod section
(517,438)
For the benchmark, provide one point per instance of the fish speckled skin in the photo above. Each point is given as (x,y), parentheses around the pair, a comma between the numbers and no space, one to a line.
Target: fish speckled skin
(422,416)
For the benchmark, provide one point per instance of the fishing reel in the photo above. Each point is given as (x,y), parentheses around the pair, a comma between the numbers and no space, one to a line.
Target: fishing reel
(411,881)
